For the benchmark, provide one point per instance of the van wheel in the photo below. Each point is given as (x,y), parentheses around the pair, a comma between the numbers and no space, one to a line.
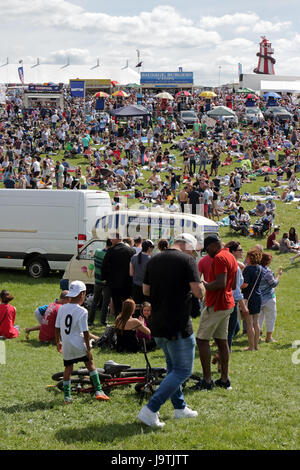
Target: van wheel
(37,267)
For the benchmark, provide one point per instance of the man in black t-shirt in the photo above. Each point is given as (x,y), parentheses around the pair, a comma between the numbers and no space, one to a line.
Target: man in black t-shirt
(194,200)
(170,280)
(115,271)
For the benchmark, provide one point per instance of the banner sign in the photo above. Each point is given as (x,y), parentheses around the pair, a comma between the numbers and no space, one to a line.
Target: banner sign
(44,88)
(77,88)
(97,83)
(21,74)
(167,78)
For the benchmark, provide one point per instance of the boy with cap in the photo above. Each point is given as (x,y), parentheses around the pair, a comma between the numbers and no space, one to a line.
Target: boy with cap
(73,339)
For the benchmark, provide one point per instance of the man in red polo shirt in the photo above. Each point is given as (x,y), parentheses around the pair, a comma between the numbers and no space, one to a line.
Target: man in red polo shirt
(219,304)
(204,266)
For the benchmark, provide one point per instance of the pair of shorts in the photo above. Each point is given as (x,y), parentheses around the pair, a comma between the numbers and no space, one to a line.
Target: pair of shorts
(70,362)
(214,324)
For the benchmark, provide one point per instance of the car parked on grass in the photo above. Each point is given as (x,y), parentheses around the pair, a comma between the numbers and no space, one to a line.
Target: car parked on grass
(189,117)
(279,113)
(252,114)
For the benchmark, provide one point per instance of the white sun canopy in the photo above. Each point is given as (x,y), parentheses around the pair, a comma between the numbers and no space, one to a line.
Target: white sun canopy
(281,86)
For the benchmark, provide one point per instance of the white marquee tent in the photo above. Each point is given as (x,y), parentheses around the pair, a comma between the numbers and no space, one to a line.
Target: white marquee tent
(281,86)
(45,73)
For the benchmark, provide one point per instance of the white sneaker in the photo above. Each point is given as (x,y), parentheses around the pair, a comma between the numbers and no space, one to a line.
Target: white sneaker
(148,417)
(185,413)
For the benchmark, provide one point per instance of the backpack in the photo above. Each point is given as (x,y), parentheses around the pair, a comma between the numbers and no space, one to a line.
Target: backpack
(108,339)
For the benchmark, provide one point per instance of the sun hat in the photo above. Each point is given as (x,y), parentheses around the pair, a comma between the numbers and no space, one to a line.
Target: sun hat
(76,287)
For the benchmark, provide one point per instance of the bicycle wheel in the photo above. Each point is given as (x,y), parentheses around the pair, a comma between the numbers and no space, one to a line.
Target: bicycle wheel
(157,372)
(81,373)
(60,375)
(80,385)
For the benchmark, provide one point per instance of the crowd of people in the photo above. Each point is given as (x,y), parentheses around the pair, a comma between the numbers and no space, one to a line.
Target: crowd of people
(152,301)
(152,295)
(37,146)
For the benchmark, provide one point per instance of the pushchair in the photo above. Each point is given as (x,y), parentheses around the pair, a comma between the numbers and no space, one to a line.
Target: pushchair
(261,227)
(237,226)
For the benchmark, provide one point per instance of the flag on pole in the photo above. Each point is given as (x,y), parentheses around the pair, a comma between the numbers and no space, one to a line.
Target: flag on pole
(21,72)
(139,64)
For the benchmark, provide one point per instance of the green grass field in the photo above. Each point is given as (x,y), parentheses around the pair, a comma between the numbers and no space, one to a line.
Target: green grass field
(261,412)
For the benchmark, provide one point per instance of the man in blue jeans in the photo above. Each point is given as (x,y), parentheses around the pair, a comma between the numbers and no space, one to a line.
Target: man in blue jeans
(170,279)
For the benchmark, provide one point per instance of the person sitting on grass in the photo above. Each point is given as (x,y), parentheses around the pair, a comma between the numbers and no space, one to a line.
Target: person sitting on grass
(272,244)
(127,326)
(73,339)
(47,326)
(145,318)
(285,246)
(8,329)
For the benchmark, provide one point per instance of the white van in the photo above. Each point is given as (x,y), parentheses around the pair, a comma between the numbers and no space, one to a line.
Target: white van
(153,225)
(42,229)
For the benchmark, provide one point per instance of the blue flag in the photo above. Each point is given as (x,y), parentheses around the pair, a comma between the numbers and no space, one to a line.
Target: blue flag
(21,74)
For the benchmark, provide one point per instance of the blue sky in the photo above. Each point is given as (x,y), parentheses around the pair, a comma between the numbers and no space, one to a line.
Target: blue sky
(200,36)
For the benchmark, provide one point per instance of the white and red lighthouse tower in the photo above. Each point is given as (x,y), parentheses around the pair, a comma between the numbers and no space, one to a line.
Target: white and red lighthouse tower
(265,60)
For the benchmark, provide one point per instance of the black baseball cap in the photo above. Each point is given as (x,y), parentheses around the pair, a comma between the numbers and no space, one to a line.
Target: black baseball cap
(209,240)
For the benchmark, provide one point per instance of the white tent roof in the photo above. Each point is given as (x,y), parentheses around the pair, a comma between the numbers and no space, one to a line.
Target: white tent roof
(284,86)
(45,73)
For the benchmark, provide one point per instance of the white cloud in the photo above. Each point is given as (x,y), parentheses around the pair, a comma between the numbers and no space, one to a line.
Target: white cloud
(240,19)
(76,56)
(161,26)
(270,27)
(166,37)
(244,22)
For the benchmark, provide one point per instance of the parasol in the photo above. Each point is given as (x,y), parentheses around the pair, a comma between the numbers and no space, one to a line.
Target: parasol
(272,94)
(245,90)
(101,94)
(164,96)
(221,111)
(208,94)
(183,93)
(251,97)
(120,93)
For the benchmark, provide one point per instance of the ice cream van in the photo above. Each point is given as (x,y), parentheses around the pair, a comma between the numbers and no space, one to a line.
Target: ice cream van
(132,224)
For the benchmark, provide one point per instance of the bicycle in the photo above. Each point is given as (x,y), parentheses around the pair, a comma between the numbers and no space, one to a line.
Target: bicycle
(115,375)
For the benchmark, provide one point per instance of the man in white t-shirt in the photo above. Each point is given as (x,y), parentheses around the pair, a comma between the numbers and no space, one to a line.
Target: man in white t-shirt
(54,119)
(36,167)
(73,339)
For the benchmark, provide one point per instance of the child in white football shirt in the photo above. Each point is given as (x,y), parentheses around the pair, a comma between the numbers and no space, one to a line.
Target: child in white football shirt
(73,339)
